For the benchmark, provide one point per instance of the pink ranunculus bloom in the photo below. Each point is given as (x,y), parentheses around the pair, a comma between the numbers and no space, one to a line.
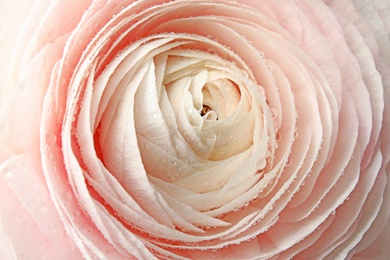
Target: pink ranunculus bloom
(195,129)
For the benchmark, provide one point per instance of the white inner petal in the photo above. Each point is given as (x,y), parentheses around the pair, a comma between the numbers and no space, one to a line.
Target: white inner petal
(199,132)
(195,115)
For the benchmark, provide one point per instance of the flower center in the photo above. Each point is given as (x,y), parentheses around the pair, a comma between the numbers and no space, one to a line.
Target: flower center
(205,110)
(201,100)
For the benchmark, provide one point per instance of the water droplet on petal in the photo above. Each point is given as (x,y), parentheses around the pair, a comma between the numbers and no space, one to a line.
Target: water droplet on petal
(274,113)
(8,174)
(288,162)
(45,147)
(22,85)
(261,163)
(62,81)
(66,194)
(50,138)
(211,51)
(244,73)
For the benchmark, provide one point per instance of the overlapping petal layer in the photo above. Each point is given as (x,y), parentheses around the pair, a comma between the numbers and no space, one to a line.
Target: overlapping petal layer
(205,129)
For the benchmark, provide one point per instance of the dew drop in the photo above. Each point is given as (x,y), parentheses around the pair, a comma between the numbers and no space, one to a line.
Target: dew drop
(45,147)
(76,214)
(22,85)
(244,73)
(271,69)
(261,163)
(274,113)
(262,55)
(211,51)
(66,196)
(288,162)
(8,174)
(51,138)
(86,74)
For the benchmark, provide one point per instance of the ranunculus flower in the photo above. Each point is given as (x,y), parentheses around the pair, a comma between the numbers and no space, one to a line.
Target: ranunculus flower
(195,129)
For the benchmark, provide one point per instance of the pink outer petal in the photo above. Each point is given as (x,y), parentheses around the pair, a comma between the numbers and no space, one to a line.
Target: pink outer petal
(21,109)
(10,24)
(378,246)
(64,207)
(28,216)
(73,199)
